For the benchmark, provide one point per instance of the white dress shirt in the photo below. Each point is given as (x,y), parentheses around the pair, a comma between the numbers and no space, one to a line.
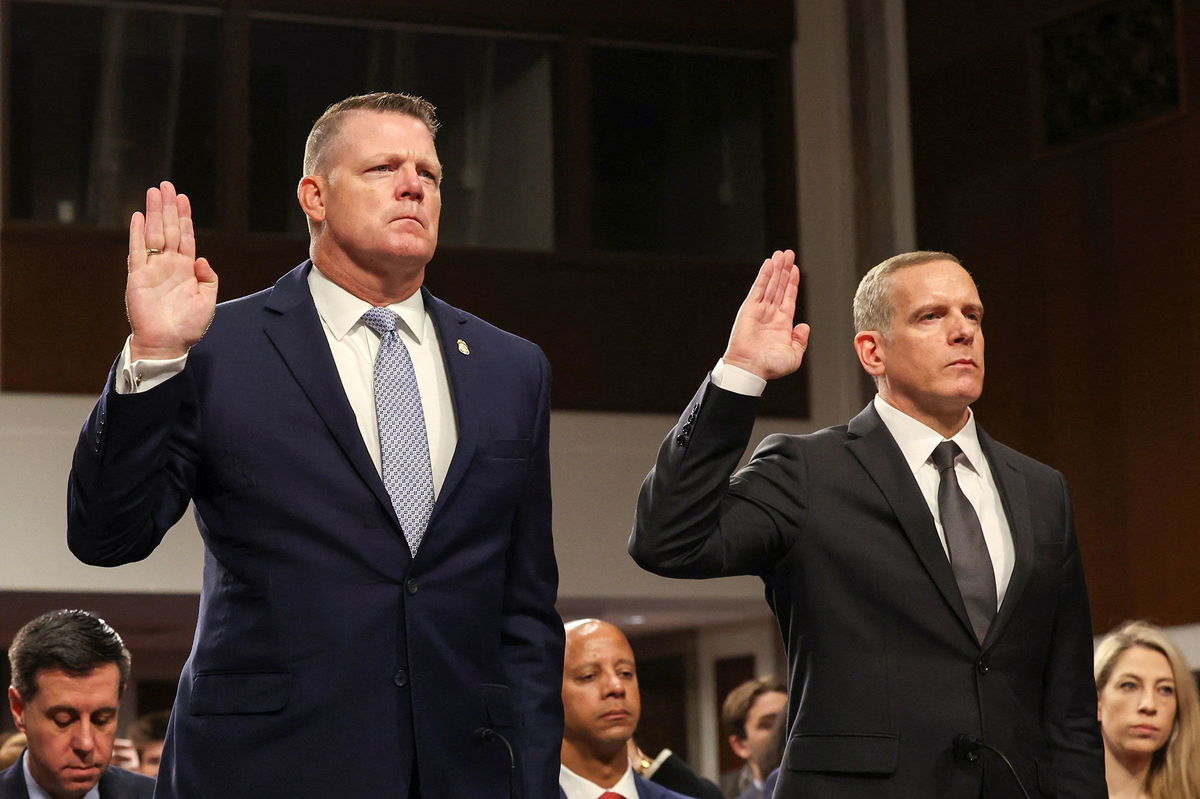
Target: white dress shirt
(576,787)
(917,442)
(353,346)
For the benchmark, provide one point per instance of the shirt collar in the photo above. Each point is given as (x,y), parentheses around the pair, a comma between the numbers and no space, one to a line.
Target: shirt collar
(574,785)
(35,790)
(917,440)
(341,311)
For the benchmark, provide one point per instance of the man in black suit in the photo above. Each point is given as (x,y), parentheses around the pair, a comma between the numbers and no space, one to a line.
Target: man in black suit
(927,579)
(69,669)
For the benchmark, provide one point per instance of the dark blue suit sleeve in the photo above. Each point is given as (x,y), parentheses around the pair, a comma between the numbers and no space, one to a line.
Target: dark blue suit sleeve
(132,473)
(532,632)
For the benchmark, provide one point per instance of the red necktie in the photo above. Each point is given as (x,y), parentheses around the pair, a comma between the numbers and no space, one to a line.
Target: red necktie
(611,795)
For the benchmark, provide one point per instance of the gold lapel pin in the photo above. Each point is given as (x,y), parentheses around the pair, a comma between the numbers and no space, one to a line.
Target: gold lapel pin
(463,348)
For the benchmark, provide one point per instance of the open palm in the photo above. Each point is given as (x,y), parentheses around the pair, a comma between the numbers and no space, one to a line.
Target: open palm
(170,294)
(764,340)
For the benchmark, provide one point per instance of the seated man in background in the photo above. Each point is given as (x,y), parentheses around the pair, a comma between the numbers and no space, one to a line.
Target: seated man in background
(602,707)
(749,714)
(148,734)
(69,669)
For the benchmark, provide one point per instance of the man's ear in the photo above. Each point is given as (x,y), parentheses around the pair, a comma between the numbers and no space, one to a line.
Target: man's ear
(311,194)
(870,349)
(738,745)
(17,705)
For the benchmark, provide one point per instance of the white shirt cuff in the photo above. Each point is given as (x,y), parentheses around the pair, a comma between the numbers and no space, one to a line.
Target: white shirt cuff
(737,380)
(141,376)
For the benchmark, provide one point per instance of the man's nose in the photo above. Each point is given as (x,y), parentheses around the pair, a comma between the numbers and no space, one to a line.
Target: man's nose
(614,686)
(408,184)
(962,329)
(84,738)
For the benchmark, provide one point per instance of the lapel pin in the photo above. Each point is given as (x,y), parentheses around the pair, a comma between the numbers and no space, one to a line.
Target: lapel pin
(463,348)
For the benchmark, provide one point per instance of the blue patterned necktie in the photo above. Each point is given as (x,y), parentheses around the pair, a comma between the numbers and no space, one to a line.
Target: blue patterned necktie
(969,556)
(403,442)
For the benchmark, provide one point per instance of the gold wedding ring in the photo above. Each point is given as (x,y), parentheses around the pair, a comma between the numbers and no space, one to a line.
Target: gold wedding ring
(153,251)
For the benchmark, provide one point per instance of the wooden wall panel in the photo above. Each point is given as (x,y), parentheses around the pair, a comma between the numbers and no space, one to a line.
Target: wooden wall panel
(622,332)
(1088,260)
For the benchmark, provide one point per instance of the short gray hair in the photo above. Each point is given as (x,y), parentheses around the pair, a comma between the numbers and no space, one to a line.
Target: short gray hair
(873,300)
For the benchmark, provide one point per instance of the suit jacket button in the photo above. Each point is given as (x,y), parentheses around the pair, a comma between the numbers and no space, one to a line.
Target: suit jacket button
(981,666)
(400,678)
(413,586)
(681,440)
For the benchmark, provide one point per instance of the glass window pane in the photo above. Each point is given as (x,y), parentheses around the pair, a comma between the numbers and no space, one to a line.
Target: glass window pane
(106,101)
(493,99)
(677,152)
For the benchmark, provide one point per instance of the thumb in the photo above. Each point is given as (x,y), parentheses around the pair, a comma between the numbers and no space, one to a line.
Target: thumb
(204,272)
(800,334)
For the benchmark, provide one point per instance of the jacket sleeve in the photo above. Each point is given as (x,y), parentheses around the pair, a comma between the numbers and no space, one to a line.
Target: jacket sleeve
(694,520)
(1069,713)
(133,471)
(531,629)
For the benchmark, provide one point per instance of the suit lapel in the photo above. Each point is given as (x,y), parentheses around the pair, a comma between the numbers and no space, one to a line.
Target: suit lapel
(872,444)
(466,389)
(1014,495)
(295,330)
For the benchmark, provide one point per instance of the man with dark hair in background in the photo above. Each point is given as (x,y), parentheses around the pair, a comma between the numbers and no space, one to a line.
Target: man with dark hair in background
(748,714)
(148,735)
(371,476)
(926,578)
(69,671)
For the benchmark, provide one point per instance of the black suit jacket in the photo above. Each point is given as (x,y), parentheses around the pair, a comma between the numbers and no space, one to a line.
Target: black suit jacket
(884,667)
(327,660)
(115,783)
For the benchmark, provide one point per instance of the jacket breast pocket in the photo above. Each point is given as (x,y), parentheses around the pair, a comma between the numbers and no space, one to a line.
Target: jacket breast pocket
(844,753)
(507,448)
(239,693)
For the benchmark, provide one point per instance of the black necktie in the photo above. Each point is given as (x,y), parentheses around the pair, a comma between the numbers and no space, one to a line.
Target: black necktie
(964,538)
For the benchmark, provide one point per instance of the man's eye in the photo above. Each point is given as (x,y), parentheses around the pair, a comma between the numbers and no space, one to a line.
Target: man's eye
(63,720)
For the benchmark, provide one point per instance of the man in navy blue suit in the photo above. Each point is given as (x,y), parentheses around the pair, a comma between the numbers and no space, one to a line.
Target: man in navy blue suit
(370,472)
(603,706)
(69,670)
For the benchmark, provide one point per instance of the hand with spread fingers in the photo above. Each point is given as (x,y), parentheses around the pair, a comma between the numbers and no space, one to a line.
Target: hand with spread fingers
(170,294)
(764,341)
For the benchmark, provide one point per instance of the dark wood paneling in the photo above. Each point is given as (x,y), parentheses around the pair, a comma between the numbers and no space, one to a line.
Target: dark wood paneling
(623,333)
(1088,260)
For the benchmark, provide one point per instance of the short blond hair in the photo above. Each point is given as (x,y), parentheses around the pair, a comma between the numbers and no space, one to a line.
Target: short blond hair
(325,130)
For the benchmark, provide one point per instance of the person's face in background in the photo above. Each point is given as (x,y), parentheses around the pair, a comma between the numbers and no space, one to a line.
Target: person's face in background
(70,724)
(601,700)
(759,746)
(151,758)
(1137,705)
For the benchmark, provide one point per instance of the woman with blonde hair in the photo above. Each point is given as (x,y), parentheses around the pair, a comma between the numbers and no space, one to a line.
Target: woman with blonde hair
(1149,715)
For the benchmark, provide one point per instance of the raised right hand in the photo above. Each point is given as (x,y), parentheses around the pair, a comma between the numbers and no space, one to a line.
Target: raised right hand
(171,295)
(763,340)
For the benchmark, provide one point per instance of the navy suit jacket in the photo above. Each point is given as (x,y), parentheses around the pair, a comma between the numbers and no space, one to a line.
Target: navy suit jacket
(885,668)
(327,661)
(115,783)
(646,790)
